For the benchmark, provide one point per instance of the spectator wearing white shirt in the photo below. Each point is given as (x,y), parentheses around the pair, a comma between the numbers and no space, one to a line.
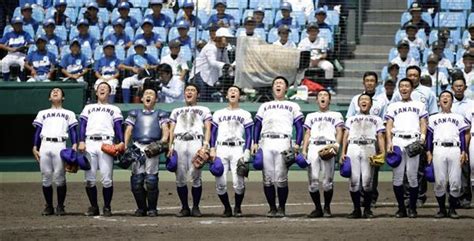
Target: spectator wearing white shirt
(175,60)
(470,39)
(413,40)
(283,40)
(171,87)
(443,62)
(210,63)
(438,78)
(403,60)
(319,48)
(249,25)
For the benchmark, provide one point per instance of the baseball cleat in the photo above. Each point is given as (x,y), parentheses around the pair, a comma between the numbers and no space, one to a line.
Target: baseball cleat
(152,213)
(453,214)
(185,212)
(401,213)
(316,213)
(227,213)
(271,213)
(139,213)
(368,213)
(107,212)
(355,214)
(412,213)
(441,214)
(327,212)
(60,211)
(92,211)
(237,212)
(196,212)
(280,213)
(48,210)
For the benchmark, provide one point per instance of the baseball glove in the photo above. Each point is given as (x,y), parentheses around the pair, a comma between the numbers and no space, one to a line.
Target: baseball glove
(112,150)
(71,168)
(201,158)
(243,168)
(415,148)
(288,157)
(155,149)
(377,160)
(328,152)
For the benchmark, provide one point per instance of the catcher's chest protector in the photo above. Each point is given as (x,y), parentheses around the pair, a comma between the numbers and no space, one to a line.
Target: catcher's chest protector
(147,126)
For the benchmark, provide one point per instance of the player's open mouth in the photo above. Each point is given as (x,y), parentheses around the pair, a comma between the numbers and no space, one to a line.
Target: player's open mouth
(147,100)
(232,96)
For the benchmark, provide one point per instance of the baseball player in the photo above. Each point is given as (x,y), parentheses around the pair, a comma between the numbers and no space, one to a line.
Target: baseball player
(322,128)
(446,144)
(100,123)
(229,126)
(273,125)
(406,123)
(363,132)
(52,127)
(145,126)
(190,131)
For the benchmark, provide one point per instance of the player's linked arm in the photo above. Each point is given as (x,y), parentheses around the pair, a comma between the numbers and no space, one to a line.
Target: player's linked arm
(388,135)
(207,134)
(170,144)
(345,143)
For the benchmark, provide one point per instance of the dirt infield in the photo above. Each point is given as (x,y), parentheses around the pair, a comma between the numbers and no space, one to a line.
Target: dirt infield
(22,204)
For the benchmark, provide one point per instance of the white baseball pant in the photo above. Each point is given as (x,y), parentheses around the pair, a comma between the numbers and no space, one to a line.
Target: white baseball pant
(274,168)
(99,161)
(230,155)
(447,169)
(186,150)
(360,166)
(317,165)
(51,165)
(408,164)
(13,58)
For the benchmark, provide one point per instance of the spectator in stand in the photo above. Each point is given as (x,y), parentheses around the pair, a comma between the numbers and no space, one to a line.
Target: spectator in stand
(84,37)
(184,38)
(150,37)
(468,69)
(414,41)
(40,62)
(389,87)
(425,80)
(222,19)
(415,12)
(188,16)
(249,25)
(159,19)
(306,6)
(212,32)
(470,39)
(27,14)
(319,50)
(444,38)
(287,19)
(403,60)
(283,40)
(106,4)
(393,72)
(173,59)
(438,77)
(91,14)
(16,43)
(53,39)
(75,64)
(107,69)
(321,16)
(59,16)
(259,15)
(438,50)
(171,89)
(119,37)
(124,11)
(460,62)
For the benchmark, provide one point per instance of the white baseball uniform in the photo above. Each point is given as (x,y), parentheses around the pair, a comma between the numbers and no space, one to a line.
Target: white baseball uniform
(323,127)
(406,116)
(188,136)
(100,119)
(363,131)
(54,124)
(231,125)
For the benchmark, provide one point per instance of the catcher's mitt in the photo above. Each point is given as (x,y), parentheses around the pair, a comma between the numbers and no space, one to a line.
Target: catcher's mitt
(71,168)
(243,168)
(201,158)
(328,152)
(415,148)
(112,150)
(288,157)
(155,149)
(377,160)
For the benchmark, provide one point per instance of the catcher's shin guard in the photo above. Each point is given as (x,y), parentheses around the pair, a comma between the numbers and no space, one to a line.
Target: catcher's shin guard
(136,183)
(151,182)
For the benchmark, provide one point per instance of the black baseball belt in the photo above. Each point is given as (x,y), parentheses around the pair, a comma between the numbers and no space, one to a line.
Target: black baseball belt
(54,139)
(276,136)
(362,142)
(99,138)
(406,136)
(230,143)
(322,142)
(188,137)
(446,144)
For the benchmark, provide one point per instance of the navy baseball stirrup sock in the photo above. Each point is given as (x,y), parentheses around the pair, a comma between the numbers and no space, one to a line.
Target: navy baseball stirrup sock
(183,196)
(316,199)
(92,195)
(48,195)
(282,196)
(441,202)
(196,193)
(452,202)
(355,196)
(367,199)
(61,191)
(152,199)
(6,76)
(126,95)
(413,197)
(225,200)
(107,193)
(270,195)
(398,190)
(238,200)
(328,198)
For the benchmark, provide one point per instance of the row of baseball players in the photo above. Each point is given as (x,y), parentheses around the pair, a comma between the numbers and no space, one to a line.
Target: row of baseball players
(192,127)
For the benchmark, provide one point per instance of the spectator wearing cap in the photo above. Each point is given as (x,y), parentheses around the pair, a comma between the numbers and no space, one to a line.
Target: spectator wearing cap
(412,39)
(212,28)
(403,60)
(106,4)
(91,14)
(389,89)
(470,38)
(321,16)
(444,38)
(137,63)
(84,37)
(319,49)
(40,62)
(222,19)
(188,16)
(211,63)
(259,15)
(124,11)
(171,88)
(393,72)
(438,77)
(468,68)
(27,14)
(159,19)
(175,60)
(183,36)
(16,43)
(74,65)
(287,19)
(306,6)
(59,16)
(119,37)
(53,38)
(151,38)
(284,40)
(106,69)
(438,50)
(415,12)
(249,25)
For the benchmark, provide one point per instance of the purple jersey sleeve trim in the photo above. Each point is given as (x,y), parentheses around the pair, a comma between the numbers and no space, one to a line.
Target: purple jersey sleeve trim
(257,129)
(462,138)
(307,127)
(424,116)
(37,137)
(299,131)
(429,141)
(214,129)
(248,137)
(35,123)
(82,129)
(73,134)
(118,130)
(381,130)
(130,123)
(298,118)
(388,117)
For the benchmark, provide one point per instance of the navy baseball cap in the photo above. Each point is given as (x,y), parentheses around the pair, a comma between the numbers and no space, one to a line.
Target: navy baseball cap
(286,6)
(124,5)
(60,3)
(259,9)
(108,44)
(41,37)
(93,5)
(320,11)
(284,28)
(75,41)
(411,25)
(26,6)
(147,20)
(415,7)
(249,19)
(119,21)
(17,20)
(83,22)
(140,42)
(188,4)
(175,43)
(312,25)
(218,2)
(49,22)
(182,24)
(471,26)
(403,43)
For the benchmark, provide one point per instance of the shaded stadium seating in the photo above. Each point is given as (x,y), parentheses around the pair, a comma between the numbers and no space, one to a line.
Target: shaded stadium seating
(402,34)
(450,19)
(455,36)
